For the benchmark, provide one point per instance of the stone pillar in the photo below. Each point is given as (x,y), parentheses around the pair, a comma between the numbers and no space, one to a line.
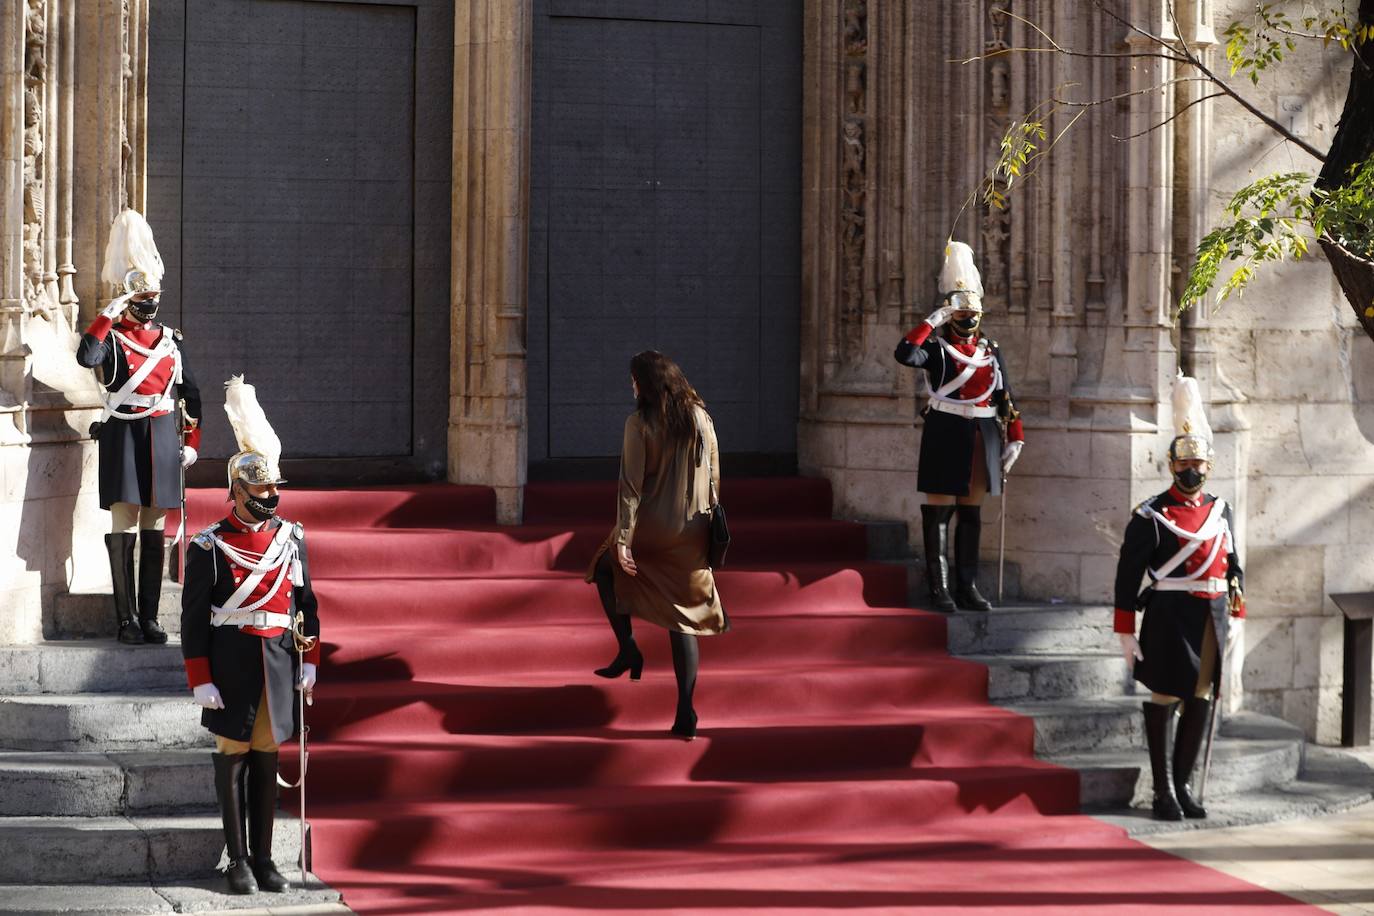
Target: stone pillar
(57,107)
(491,143)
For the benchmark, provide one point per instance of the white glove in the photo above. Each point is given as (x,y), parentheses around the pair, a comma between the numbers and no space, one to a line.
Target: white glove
(188,456)
(308,677)
(207,695)
(940,316)
(1130,649)
(117,306)
(1010,452)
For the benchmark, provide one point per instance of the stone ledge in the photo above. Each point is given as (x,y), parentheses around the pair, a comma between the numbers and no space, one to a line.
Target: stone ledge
(81,615)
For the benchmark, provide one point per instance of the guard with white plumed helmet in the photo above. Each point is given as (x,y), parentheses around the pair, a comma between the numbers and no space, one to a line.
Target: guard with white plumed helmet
(1180,545)
(250,638)
(972,433)
(149,429)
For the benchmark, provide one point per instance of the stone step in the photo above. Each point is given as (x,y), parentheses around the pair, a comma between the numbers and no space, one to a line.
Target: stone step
(1076,725)
(1032,629)
(1251,752)
(101,722)
(1034,678)
(90,666)
(88,850)
(201,895)
(95,784)
(887,540)
(82,615)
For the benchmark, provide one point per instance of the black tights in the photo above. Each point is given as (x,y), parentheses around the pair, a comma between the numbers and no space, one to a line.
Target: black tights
(686,652)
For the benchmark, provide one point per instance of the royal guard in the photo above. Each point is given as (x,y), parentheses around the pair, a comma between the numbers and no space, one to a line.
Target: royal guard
(1180,547)
(250,638)
(972,431)
(149,429)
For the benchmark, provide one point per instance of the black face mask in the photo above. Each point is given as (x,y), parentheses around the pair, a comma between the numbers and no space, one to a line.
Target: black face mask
(965,327)
(1190,480)
(145,310)
(262,507)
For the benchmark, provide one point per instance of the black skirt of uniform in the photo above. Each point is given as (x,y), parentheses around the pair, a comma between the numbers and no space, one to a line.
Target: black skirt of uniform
(946,462)
(140,462)
(1171,635)
(241,666)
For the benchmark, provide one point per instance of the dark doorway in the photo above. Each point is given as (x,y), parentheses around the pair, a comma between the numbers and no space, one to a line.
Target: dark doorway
(299,177)
(666,198)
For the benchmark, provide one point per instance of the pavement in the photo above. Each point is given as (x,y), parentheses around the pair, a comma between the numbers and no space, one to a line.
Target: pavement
(1325,861)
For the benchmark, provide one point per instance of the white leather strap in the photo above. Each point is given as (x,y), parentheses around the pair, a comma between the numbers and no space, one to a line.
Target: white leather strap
(1210,584)
(278,556)
(125,396)
(964,410)
(261,620)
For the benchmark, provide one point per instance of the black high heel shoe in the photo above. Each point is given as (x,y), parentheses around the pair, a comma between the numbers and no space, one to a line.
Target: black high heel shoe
(632,662)
(685,726)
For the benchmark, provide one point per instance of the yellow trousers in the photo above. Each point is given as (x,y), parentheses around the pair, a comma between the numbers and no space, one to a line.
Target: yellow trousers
(260,740)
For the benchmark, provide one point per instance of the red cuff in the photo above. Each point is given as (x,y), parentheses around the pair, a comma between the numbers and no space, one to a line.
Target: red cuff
(193,438)
(1124,622)
(1238,610)
(198,672)
(312,655)
(1014,431)
(100,327)
(917,335)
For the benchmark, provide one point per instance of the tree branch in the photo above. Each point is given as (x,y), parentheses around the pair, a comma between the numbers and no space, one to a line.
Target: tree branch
(1126,95)
(1141,133)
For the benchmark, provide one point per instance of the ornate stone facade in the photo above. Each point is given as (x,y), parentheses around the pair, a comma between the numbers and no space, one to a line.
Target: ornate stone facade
(1081,271)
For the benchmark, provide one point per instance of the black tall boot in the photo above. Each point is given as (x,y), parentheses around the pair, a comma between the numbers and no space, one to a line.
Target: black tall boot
(1192,729)
(935,535)
(150,560)
(262,811)
(686,661)
(229,790)
(966,536)
(1158,723)
(627,656)
(121,549)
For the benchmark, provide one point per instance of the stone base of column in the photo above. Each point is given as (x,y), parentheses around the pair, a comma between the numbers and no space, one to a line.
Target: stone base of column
(494,454)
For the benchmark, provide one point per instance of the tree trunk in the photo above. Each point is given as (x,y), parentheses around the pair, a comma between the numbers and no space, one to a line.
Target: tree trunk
(1353,144)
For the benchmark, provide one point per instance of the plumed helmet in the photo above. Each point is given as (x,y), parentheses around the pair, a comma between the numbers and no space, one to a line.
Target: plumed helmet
(132,263)
(256,462)
(1192,432)
(960,282)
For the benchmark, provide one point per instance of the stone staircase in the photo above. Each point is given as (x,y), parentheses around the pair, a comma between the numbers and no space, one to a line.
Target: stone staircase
(106,786)
(1058,665)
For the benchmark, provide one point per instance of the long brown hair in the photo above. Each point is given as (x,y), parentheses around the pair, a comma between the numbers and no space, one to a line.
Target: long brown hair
(666,398)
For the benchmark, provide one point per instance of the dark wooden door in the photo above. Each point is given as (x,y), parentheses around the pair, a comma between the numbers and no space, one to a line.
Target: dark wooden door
(300,155)
(666,189)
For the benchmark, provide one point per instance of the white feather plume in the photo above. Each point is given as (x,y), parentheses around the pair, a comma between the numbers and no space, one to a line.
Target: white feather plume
(249,422)
(1189,417)
(959,272)
(131,247)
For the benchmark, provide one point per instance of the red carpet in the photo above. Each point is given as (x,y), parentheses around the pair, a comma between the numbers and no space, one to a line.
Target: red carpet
(465,758)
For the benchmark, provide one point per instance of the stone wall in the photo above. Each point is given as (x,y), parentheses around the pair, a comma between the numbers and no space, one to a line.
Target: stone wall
(1082,276)
(71,156)
(1293,346)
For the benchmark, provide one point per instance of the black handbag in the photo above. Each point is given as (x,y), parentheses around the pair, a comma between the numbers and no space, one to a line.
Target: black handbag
(718,539)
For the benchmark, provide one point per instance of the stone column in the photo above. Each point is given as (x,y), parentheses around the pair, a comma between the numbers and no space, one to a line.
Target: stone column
(491,147)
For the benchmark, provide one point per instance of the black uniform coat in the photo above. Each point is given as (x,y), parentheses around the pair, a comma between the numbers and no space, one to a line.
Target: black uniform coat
(946,457)
(241,662)
(140,460)
(1172,630)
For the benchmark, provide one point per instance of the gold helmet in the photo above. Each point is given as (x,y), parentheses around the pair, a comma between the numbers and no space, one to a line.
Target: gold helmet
(256,461)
